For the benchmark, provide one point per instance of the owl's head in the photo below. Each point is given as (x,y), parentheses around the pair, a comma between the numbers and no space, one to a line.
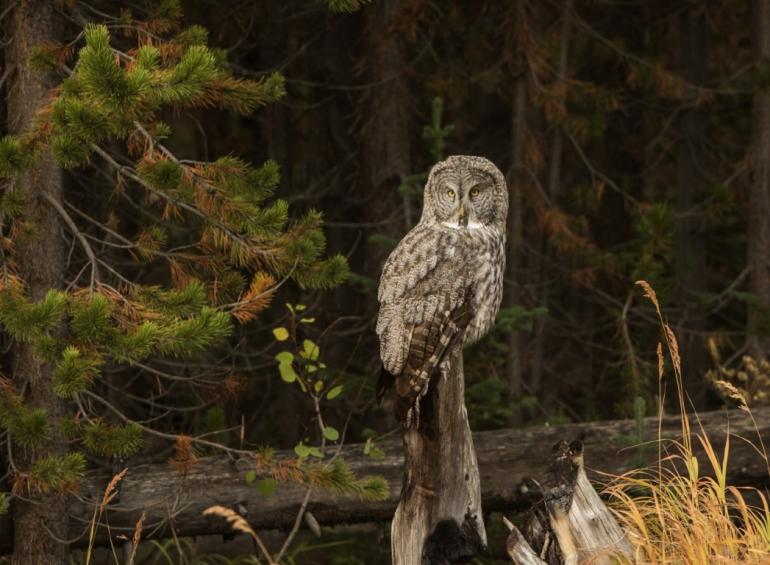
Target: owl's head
(464,191)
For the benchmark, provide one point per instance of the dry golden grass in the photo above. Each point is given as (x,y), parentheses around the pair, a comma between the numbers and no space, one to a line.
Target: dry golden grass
(677,513)
(109,494)
(137,538)
(239,523)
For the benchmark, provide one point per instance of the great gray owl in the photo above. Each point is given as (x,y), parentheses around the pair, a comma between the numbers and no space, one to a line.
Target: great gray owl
(442,285)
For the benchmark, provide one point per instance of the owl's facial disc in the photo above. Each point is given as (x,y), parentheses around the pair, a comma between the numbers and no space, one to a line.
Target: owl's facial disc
(463,197)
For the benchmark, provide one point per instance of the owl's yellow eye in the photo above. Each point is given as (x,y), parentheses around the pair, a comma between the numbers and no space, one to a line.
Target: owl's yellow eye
(474,192)
(450,194)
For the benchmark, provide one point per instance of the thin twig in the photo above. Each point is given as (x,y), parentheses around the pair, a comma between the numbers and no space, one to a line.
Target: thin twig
(629,344)
(129,172)
(171,437)
(77,233)
(306,500)
(296,526)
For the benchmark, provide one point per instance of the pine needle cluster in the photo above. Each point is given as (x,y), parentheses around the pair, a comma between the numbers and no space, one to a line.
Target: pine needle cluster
(335,476)
(212,232)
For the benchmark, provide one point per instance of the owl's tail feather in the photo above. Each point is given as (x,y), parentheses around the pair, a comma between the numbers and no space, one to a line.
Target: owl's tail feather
(384,384)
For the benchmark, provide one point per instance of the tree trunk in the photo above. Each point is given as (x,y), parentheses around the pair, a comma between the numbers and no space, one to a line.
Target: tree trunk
(553,186)
(41,260)
(689,251)
(385,114)
(515,227)
(438,519)
(758,228)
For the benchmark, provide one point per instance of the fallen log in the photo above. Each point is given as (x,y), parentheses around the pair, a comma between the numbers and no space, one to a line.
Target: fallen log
(505,458)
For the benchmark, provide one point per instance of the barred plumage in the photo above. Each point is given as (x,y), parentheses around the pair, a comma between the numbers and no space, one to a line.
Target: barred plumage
(443,283)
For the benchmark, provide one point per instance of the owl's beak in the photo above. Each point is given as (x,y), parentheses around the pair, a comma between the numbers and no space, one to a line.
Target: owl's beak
(462,217)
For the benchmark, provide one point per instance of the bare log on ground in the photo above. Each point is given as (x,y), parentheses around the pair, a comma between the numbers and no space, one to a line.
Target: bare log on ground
(439,518)
(505,458)
(570,524)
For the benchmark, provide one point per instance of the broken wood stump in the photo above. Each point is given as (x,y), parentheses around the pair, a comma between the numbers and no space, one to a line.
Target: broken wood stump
(438,519)
(570,524)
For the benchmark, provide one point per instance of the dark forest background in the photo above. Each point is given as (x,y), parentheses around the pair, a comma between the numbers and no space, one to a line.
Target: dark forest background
(632,137)
(635,137)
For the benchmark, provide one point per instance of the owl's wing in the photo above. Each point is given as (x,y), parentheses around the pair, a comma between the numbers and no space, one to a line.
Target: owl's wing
(429,344)
(424,309)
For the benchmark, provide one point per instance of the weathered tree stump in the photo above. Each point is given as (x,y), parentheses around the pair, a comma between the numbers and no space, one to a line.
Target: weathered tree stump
(438,519)
(519,549)
(570,524)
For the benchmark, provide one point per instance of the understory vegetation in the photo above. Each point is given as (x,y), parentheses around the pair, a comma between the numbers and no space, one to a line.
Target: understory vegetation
(684,509)
(196,201)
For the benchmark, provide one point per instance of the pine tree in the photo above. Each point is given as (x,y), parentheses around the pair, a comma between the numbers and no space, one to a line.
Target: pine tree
(167,257)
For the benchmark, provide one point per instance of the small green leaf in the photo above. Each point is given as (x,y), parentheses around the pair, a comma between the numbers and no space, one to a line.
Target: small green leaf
(287,371)
(251,476)
(290,307)
(301,450)
(318,386)
(309,350)
(307,321)
(315,452)
(281,334)
(310,368)
(371,450)
(299,307)
(331,433)
(267,487)
(334,392)
(285,367)
(285,357)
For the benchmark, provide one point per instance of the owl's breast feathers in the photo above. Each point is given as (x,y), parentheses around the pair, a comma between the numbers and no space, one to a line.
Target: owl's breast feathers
(438,287)
(487,288)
